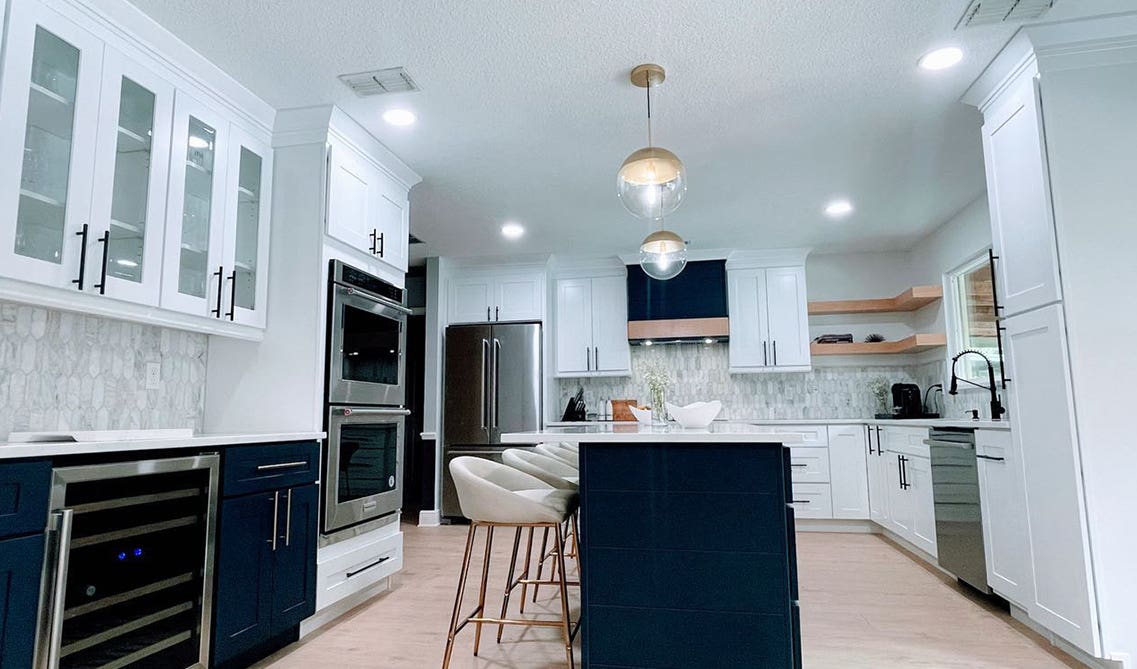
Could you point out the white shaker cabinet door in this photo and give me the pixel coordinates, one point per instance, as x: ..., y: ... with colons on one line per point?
x: 900, y: 509
x: 249, y: 192
x: 611, y: 352
x: 519, y: 297
x: 1044, y: 432
x: 878, y: 478
x: 848, y: 471
x: 1018, y: 193
x: 787, y: 317
x: 352, y: 198
x: 574, y: 327
x: 918, y: 475
x: 1006, y: 539
x: 748, y: 328
x: 470, y: 299
x: 49, y: 108
x: 392, y: 220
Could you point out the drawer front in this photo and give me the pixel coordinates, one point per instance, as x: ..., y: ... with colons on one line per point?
x: 809, y: 465
x: 812, y: 435
x: 907, y: 440
x: 357, y: 569
x: 812, y: 500
x: 24, y: 491
x: 264, y: 467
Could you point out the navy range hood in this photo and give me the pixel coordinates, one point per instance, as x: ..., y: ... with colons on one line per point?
x: 692, y: 307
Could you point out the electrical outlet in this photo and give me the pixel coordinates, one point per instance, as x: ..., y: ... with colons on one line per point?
x: 153, y: 375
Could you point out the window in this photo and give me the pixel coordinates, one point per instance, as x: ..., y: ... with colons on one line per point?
x: 971, y: 318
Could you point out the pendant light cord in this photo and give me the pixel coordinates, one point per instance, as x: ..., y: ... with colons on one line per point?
x: 648, y: 89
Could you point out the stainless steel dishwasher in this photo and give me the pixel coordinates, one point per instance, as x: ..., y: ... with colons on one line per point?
x: 955, y: 491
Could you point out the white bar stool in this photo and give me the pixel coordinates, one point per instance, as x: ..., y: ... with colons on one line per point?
x: 559, y: 452
x: 493, y: 495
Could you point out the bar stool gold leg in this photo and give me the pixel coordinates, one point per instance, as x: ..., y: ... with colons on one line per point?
x: 458, y: 598
x: 509, y: 583
x: 481, y: 610
x: 541, y: 561
x: 525, y: 570
x: 566, y: 623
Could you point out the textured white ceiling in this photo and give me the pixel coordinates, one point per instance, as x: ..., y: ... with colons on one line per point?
x: 775, y: 106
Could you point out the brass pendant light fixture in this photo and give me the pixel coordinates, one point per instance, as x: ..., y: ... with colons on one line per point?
x: 652, y: 181
x: 651, y: 184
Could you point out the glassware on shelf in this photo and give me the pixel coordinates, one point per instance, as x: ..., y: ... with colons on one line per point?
x: 194, y: 258
x: 248, y: 227
x: 131, y: 190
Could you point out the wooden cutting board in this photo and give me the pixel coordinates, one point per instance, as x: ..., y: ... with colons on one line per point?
x: 621, y: 412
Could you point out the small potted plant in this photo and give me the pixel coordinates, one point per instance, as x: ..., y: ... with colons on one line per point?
x: 880, y: 390
x: 658, y: 380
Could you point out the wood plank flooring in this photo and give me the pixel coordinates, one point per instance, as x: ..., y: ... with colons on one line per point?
x: 865, y: 604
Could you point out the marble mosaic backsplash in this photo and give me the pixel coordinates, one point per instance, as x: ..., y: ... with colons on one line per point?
x: 701, y: 373
x: 60, y: 370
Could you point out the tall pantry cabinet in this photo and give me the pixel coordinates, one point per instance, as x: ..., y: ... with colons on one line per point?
x: 1059, y: 140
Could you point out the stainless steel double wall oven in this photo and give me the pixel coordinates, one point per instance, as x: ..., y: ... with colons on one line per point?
x: 366, y: 396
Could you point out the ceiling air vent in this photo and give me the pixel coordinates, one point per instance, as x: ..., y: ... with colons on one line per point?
x: 989, y: 12
x: 380, y: 82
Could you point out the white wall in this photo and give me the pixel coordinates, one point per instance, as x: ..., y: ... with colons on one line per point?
x: 849, y: 276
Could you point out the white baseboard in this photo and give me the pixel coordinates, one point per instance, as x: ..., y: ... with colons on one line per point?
x: 1066, y: 647
x: 432, y: 518
x: 334, y: 611
x: 835, y: 525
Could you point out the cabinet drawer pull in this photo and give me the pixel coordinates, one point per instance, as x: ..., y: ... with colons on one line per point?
x: 799, y: 464
x: 275, y: 499
x: 288, y: 520
x: 801, y: 501
x: 363, y: 569
x: 220, y: 274
x: 105, y: 240
x: 991, y: 457
x: 82, y: 234
x: 282, y: 465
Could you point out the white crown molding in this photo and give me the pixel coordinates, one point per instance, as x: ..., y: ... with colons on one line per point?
x: 767, y: 258
x: 527, y: 262
x: 579, y: 267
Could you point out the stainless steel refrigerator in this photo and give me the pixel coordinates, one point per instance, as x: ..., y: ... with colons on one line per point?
x: 492, y: 384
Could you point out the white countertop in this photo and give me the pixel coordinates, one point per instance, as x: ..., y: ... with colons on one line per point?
x: 910, y: 422
x: 9, y: 451
x: 637, y: 433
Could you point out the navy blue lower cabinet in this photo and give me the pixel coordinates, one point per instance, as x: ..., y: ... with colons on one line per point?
x: 24, y: 490
x: 687, y: 557
x: 266, y: 573
x: 21, y: 563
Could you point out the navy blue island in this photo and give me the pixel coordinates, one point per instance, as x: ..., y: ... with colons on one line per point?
x: 687, y: 546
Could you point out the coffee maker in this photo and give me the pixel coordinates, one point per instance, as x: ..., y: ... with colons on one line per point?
x: 906, y: 401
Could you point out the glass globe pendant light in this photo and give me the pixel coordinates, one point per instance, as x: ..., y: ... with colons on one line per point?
x: 663, y: 254
x: 652, y: 181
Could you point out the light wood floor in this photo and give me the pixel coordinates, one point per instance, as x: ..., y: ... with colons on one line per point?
x: 865, y: 604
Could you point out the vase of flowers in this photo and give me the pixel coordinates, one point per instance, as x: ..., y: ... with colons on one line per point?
x: 658, y: 380
x: 880, y: 390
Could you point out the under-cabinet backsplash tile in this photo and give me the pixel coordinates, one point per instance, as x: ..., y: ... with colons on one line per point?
x: 61, y: 370
x: 701, y: 372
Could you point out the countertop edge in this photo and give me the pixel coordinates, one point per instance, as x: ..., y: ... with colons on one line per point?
x: 13, y: 451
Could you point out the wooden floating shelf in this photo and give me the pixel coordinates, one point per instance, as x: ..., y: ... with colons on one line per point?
x: 914, y: 344
x: 910, y: 300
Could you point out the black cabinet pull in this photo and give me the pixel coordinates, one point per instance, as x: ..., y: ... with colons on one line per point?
x: 487, y: 313
x: 801, y: 501
x: 998, y: 330
x: 220, y: 274
x: 374, y: 233
x: 765, y: 357
x: 879, y: 448
x: 82, y: 234
x: 232, y: 294
x: 904, y: 473
x: 775, y: 352
x: 991, y: 458
x: 105, y: 240
x: 869, y: 434
x: 363, y: 569
x: 381, y: 244
x: 497, y: 313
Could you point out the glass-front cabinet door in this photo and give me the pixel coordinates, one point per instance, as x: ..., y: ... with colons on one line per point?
x: 48, y: 115
x: 132, y: 165
x: 193, y: 272
x: 247, y: 228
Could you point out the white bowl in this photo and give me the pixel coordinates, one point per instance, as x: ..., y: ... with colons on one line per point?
x: 642, y: 415
x: 695, y: 416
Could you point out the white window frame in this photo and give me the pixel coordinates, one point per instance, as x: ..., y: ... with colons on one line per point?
x: 955, y: 318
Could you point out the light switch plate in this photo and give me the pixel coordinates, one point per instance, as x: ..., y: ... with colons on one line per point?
x: 153, y: 375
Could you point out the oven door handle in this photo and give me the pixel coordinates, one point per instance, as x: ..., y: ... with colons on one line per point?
x: 348, y: 290
x: 354, y: 411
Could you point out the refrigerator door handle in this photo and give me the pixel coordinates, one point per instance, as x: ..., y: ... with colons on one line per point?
x: 485, y: 351
x: 496, y: 366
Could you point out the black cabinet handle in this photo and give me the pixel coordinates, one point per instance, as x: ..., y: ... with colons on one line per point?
x: 105, y: 240
x: 232, y: 294
x: 799, y: 464
x: 801, y: 501
x: 998, y: 330
x: 220, y: 274
x: 82, y: 234
x: 497, y: 313
x: 879, y: 447
x: 775, y: 352
x: 374, y: 233
x: 765, y: 358
x: 904, y: 473
x: 487, y: 313
x: 381, y: 244
x: 363, y: 569
x: 991, y: 458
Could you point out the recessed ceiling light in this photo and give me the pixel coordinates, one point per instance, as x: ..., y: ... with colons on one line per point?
x: 839, y: 208
x: 941, y: 59
x: 512, y: 230
x: 399, y: 116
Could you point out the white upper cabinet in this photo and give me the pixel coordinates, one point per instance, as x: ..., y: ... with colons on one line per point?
x: 194, y: 273
x: 1045, y: 434
x: 367, y: 209
x: 49, y: 107
x: 245, y: 258
x: 1006, y: 538
x: 482, y: 297
x: 592, y: 327
x: 128, y: 210
x: 848, y: 466
x: 769, y: 327
x: 1018, y: 193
